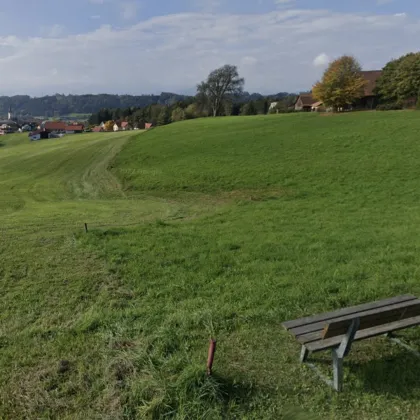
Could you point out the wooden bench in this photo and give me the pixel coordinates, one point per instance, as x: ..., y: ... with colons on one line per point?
x: 339, y: 329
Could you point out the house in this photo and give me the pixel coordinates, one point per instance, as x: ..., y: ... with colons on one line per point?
x: 102, y: 125
x: 9, y: 126
x: 38, y: 135
x: 74, y: 128
x: 304, y: 102
x: 125, y: 125
x: 148, y: 126
x: 370, y: 99
x: 54, y: 126
x: 272, y: 105
x: 97, y: 129
x: 117, y: 126
x: 26, y: 127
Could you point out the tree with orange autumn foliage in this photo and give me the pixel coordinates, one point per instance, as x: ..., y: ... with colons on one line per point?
x: 341, y: 84
x: 109, y: 126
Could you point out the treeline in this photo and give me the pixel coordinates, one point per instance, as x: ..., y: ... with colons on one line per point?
x: 56, y: 105
x: 195, y: 107
x: 399, y: 85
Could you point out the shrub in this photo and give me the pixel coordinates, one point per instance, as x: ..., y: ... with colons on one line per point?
x: 389, y: 107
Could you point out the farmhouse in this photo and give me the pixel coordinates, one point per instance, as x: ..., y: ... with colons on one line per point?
x: 98, y: 129
x: 304, y: 102
x: 74, y: 128
x: 54, y: 126
x: 369, y: 100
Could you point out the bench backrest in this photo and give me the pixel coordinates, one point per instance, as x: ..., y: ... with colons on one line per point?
x: 373, y: 318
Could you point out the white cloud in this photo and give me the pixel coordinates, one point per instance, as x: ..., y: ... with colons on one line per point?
x: 321, y: 60
x: 95, y: 17
x: 274, y: 51
x: 283, y: 1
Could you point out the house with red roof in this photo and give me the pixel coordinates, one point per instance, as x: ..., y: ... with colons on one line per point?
x: 74, y: 128
x: 54, y: 126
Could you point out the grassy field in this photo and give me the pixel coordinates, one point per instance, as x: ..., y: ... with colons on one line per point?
x: 217, y: 228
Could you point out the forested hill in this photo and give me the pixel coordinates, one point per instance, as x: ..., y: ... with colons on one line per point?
x: 49, y: 106
x: 56, y: 105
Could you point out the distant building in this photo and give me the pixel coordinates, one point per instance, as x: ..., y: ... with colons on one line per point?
x: 117, y: 126
x: 74, y: 128
x: 54, y: 126
x: 148, y: 126
x: 369, y: 100
x: 125, y: 126
x: 38, y: 135
x: 304, y: 102
x: 98, y: 129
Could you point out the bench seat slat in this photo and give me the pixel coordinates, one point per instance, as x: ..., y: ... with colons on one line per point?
x: 369, y: 322
x: 364, y: 334
x: 389, y: 311
x: 346, y: 311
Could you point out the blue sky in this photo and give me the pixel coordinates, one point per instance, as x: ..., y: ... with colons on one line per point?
x: 146, y: 46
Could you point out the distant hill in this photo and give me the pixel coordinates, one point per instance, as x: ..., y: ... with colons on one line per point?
x: 55, y: 105
x: 59, y: 105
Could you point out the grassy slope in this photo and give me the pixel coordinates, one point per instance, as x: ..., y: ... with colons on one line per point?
x: 258, y: 220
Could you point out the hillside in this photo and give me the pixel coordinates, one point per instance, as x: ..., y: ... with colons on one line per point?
x: 217, y: 228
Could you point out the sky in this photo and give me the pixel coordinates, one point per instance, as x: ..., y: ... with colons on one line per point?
x: 150, y: 46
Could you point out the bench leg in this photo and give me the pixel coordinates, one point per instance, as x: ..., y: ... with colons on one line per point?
x: 400, y: 343
x: 304, y: 353
x: 338, y: 371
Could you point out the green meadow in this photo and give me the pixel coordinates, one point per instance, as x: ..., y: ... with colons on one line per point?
x: 211, y: 228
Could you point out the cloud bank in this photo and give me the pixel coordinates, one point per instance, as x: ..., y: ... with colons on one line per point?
x: 275, y: 51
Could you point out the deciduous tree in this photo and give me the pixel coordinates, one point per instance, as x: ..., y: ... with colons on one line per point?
x: 400, y: 79
x: 109, y: 125
x: 342, y: 83
x: 178, y: 114
x: 220, y: 85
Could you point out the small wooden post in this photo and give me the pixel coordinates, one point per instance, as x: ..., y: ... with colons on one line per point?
x: 210, y: 358
x: 86, y: 228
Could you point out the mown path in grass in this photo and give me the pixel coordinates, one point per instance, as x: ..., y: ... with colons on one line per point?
x: 237, y: 225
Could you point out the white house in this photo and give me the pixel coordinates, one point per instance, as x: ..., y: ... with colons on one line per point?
x: 273, y: 105
x: 116, y: 127
x: 36, y: 135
